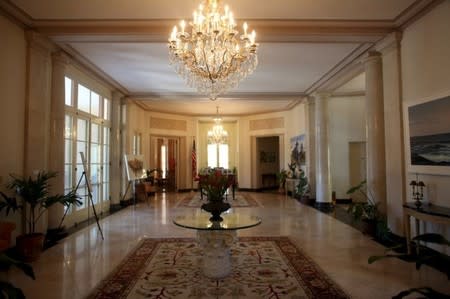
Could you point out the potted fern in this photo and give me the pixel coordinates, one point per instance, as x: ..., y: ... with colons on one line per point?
x: 35, y: 200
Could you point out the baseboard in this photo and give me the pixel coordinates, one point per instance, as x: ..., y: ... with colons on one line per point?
x: 343, y: 200
x: 326, y: 207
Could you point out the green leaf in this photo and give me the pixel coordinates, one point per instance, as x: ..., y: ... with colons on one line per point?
x: 10, y: 291
x: 6, y: 262
x: 432, y: 238
x: 425, y: 291
x: 356, y: 188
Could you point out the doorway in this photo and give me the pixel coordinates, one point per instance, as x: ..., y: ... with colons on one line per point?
x: 357, y: 167
x: 267, y: 162
x: 164, y: 153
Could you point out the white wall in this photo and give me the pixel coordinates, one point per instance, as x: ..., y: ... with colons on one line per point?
x: 12, y: 112
x: 347, y: 123
x: 425, y: 50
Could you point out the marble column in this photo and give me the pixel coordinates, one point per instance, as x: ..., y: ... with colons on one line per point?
x: 376, y: 162
x: 311, y: 146
x: 322, y: 154
x: 57, y: 127
x: 116, y: 151
x: 37, y: 110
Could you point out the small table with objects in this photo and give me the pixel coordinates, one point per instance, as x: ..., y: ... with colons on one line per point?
x: 215, y: 238
x: 427, y: 213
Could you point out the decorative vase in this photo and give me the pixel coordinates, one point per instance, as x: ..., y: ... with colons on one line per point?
x: 215, y: 207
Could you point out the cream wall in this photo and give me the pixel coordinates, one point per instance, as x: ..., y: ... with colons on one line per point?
x: 425, y: 50
x: 347, y: 123
x: 12, y: 112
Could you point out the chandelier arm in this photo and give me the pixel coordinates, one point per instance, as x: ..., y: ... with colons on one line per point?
x: 223, y: 62
x: 207, y: 66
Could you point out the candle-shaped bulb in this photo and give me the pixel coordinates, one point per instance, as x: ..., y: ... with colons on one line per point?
x: 245, y: 28
x: 227, y: 10
x: 237, y: 48
x: 253, y: 37
x: 174, y: 33
x: 194, y: 17
x: 182, y: 25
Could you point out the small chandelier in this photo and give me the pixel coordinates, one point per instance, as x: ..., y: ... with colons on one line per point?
x: 212, y: 56
x: 217, y: 135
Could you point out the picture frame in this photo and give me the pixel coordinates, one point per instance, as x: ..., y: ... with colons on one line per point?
x: 135, y: 167
x: 427, y: 134
x: 297, y: 150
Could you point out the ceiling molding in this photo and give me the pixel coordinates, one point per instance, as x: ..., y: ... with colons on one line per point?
x: 414, y: 12
x: 325, y: 83
x: 248, y: 96
x: 347, y: 31
x: 17, y: 15
x: 91, y: 67
x: 358, y: 93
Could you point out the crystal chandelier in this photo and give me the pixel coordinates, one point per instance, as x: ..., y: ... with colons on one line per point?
x: 211, y: 55
x: 217, y: 135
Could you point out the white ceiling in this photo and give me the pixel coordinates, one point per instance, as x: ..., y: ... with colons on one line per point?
x: 303, y: 44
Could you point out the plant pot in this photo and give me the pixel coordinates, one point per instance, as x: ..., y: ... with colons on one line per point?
x: 6, y: 229
x: 29, y: 246
x: 306, y: 200
x: 216, y: 207
x: 369, y: 227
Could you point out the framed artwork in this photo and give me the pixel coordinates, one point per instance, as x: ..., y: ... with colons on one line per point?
x: 428, y: 135
x: 135, y: 167
x: 298, y: 154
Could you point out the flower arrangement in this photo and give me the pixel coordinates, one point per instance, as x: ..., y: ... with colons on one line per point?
x: 214, y: 183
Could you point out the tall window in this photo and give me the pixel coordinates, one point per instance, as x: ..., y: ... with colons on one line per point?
x: 218, y: 155
x: 87, y: 130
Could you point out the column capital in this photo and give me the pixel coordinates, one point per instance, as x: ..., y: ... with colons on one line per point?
x: 38, y: 42
x: 391, y: 41
x: 117, y: 95
x: 372, y: 56
x: 322, y: 95
x: 61, y: 57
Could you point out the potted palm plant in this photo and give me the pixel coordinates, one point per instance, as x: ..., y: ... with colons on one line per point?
x: 367, y: 212
x: 35, y: 200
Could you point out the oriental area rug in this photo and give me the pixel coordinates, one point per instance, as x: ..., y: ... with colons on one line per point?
x: 240, y: 200
x: 263, y: 267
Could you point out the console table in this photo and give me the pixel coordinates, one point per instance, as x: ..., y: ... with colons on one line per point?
x: 427, y: 212
x: 216, y: 238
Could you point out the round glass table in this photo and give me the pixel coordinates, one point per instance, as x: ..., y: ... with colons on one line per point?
x: 215, y: 238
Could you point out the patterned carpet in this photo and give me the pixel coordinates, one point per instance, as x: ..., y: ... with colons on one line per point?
x: 263, y: 267
x: 241, y: 200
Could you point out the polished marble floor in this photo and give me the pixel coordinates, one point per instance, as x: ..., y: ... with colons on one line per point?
x: 72, y: 268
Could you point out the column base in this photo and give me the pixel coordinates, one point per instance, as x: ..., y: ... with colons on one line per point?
x: 326, y: 207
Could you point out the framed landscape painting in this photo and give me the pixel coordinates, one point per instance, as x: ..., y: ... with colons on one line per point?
x: 428, y: 131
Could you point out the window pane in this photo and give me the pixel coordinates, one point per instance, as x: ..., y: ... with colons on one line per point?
x: 95, y: 153
x: 83, y: 98
x: 68, y: 91
x: 68, y: 151
x: 105, y: 154
x: 68, y: 176
x: 82, y: 192
x: 81, y: 147
x: 212, y: 155
x: 82, y: 129
x: 95, y: 137
x: 163, y: 161
x: 68, y: 131
x: 95, y: 173
x: 95, y: 196
x: 223, y: 155
x: 106, y: 109
x: 106, y: 135
x: 95, y: 104
x: 106, y: 191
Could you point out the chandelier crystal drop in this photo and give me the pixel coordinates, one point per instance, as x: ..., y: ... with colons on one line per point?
x: 209, y: 53
x: 218, y: 135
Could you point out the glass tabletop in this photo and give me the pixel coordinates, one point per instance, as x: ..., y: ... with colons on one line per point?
x: 199, y: 219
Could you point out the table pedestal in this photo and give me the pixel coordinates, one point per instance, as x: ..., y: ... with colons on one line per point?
x: 216, y: 246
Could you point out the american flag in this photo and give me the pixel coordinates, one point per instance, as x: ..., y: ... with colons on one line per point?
x: 194, y: 161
